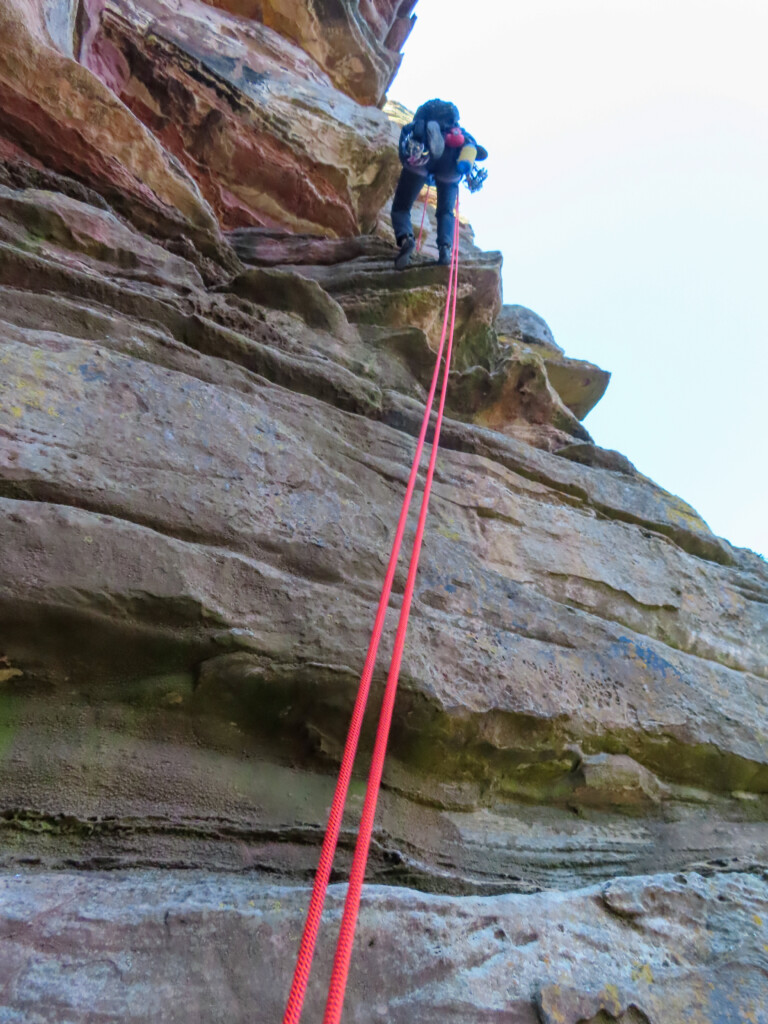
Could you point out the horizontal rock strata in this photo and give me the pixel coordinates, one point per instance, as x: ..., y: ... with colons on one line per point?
x: 56, y: 115
x: 199, y: 487
x: 133, y: 947
x: 255, y: 121
x: 211, y: 382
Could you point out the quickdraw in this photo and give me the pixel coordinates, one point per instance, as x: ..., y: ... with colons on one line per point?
x: 412, y: 152
x: 476, y: 178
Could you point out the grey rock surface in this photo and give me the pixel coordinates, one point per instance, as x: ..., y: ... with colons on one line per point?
x: 199, y: 490
x: 522, y: 324
x: 201, y: 466
x: 197, y: 949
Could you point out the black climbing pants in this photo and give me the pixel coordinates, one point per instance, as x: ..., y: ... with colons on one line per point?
x: 408, y: 188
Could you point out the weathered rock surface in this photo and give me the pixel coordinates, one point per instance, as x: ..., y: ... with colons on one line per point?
x: 253, y: 119
x: 517, y: 323
x: 499, y: 384
x: 55, y: 114
x: 579, y: 384
x: 204, y: 442
x: 184, y: 947
x: 357, y: 43
x: 198, y: 492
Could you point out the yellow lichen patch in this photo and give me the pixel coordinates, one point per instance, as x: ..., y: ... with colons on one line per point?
x: 556, y: 1015
x: 757, y: 919
x: 642, y: 972
x: 485, y: 644
x: 7, y: 671
x: 611, y: 999
x: 449, y: 534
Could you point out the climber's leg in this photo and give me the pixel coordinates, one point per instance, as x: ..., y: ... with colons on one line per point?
x: 408, y: 188
x: 447, y: 192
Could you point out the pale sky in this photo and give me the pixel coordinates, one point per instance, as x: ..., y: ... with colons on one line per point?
x: 627, y: 185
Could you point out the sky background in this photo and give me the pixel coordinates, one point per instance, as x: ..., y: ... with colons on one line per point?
x: 628, y: 192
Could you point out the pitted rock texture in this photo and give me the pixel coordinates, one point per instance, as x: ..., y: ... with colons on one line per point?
x: 498, y: 383
x: 579, y: 384
x: 196, y: 948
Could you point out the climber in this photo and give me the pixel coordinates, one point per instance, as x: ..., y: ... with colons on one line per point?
x: 433, y: 147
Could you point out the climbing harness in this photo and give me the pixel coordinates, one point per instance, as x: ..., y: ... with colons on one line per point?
x: 423, y: 214
x: 338, y: 982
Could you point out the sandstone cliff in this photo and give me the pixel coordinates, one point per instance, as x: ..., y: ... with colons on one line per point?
x: 211, y: 382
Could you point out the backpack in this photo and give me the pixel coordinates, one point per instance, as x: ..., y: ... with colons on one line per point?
x: 414, y: 147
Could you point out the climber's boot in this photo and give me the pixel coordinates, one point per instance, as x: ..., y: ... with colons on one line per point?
x: 444, y: 259
x: 407, y: 244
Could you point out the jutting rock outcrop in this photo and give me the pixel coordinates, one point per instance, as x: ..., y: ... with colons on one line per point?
x: 211, y: 384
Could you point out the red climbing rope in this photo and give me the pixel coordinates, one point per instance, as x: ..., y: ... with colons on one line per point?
x: 423, y: 214
x: 340, y: 970
x: 317, y: 900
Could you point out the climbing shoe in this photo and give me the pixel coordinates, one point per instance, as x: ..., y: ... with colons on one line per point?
x: 403, y: 258
x: 435, y: 140
x: 444, y: 259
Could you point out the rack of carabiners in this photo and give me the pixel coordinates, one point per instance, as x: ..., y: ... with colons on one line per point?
x: 340, y: 971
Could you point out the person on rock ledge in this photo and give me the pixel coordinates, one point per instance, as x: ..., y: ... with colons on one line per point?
x: 433, y: 146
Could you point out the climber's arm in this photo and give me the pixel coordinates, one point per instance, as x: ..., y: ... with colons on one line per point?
x: 467, y: 156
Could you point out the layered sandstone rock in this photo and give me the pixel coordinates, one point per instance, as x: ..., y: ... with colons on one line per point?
x: 357, y: 42
x: 661, y: 949
x: 579, y: 384
x: 253, y: 119
x: 199, y: 488
x: 256, y: 123
x: 204, y: 442
x: 56, y: 115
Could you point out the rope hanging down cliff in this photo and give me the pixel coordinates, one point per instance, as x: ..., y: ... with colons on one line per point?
x: 340, y: 970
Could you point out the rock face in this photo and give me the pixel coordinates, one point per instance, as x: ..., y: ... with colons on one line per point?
x: 667, y: 948
x: 579, y: 385
x: 255, y: 121
x: 258, y: 125
x: 55, y: 114
x: 357, y: 43
x: 205, y: 438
